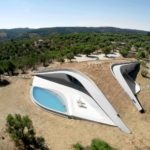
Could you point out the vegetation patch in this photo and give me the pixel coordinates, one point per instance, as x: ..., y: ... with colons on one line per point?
x: 96, y: 144
x: 22, y: 132
x: 4, y: 82
x: 29, y: 52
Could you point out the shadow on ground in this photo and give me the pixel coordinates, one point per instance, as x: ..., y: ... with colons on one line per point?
x: 4, y: 83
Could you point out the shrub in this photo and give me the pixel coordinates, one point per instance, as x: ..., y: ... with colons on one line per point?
x: 95, y: 145
x: 78, y: 146
x: 60, y: 59
x: 100, y: 145
x: 22, y: 133
x: 70, y: 56
x: 140, y: 54
x: 124, y: 52
x: 106, y: 50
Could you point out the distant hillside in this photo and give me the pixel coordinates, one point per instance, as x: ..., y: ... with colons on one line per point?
x: 7, y: 34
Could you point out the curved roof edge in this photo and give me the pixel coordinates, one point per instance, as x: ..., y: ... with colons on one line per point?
x: 120, y: 72
x: 95, y: 92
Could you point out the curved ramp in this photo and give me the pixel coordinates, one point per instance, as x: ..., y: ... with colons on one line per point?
x: 121, y: 72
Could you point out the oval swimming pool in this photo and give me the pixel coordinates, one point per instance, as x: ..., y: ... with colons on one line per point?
x: 49, y: 99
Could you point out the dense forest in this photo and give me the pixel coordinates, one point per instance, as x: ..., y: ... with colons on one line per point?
x: 21, y: 54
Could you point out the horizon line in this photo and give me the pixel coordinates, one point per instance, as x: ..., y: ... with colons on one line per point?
x: 74, y: 27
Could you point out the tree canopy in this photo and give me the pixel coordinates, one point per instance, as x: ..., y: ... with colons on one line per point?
x: 21, y: 131
x: 29, y: 52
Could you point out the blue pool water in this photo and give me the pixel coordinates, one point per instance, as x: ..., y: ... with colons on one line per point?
x: 49, y: 99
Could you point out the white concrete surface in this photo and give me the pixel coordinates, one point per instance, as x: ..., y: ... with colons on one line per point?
x: 77, y: 103
x: 97, y: 97
x: 118, y: 71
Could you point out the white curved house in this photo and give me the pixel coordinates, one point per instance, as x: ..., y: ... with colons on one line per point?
x: 71, y: 93
x: 122, y: 73
x: 80, y: 96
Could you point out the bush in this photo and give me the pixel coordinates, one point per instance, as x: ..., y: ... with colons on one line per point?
x: 95, y: 145
x: 60, y: 59
x: 22, y: 133
x: 100, y: 145
x: 106, y: 50
x: 78, y: 146
x: 124, y: 52
x: 4, y: 82
x: 140, y: 54
x: 70, y: 56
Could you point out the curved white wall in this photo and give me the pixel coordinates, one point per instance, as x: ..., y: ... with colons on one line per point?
x: 90, y: 111
x: 124, y: 68
x: 96, y: 94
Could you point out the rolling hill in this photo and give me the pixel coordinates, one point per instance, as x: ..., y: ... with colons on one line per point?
x: 7, y: 34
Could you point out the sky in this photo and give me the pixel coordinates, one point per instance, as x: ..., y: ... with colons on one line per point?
x: 133, y: 14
